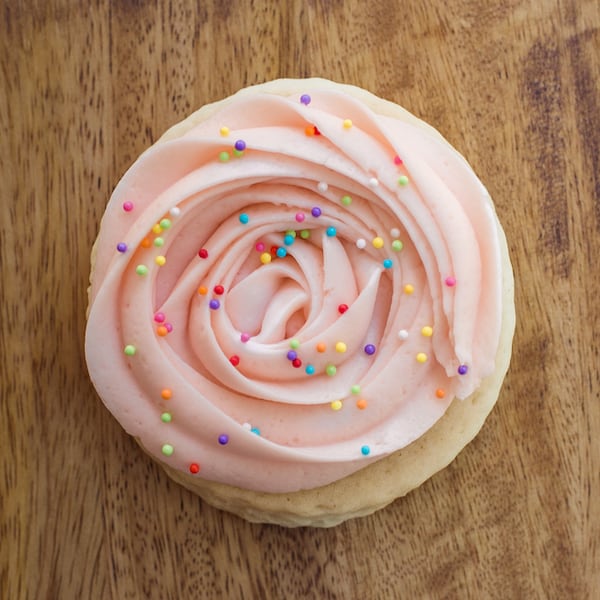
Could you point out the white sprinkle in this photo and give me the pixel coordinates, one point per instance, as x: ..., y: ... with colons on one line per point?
x: 403, y: 334
x: 360, y: 243
x: 175, y: 211
x: 247, y: 426
x: 373, y: 182
x: 322, y: 186
x: 395, y: 232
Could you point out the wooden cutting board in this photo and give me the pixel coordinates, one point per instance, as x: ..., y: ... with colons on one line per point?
x: 85, y: 87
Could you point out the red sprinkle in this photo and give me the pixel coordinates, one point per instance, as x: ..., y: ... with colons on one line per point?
x: 317, y: 132
x: 194, y: 468
x: 218, y: 289
x: 203, y: 253
x: 397, y: 160
x: 234, y: 360
x: 342, y: 308
x: 297, y: 363
x: 274, y: 250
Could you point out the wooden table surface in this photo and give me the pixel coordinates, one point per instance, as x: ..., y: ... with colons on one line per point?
x: 86, y: 86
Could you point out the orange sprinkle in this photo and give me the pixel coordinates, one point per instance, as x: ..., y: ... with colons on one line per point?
x: 166, y: 394
x: 440, y: 393
x: 202, y: 290
x: 321, y: 347
x: 309, y: 130
x: 362, y: 404
x: 162, y: 330
x: 146, y: 243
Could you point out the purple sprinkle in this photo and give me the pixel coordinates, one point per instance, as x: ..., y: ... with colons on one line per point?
x: 370, y: 349
x: 292, y: 355
x: 223, y: 439
x: 316, y: 211
x: 240, y: 145
x: 214, y: 304
x: 305, y: 99
x: 462, y: 370
x: 122, y: 247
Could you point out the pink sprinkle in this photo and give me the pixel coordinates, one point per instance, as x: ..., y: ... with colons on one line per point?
x: 169, y: 327
x: 159, y: 317
x: 245, y: 337
x: 397, y: 160
x: 259, y: 246
x: 450, y: 281
x: 299, y: 217
x: 128, y: 206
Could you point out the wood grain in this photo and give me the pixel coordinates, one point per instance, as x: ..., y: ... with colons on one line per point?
x: 86, y: 86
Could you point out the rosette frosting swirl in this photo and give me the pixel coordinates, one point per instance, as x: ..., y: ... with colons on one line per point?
x: 288, y: 288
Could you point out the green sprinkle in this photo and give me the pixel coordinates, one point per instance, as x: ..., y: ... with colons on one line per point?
x: 291, y: 232
x: 141, y: 270
x: 129, y: 350
x: 330, y: 370
x: 346, y: 200
x: 224, y: 156
x: 397, y: 245
x: 403, y: 180
x: 165, y: 223
x: 237, y: 153
x: 355, y: 389
x: 295, y: 344
x: 165, y: 417
x: 158, y: 242
x: 167, y: 449
x: 305, y: 234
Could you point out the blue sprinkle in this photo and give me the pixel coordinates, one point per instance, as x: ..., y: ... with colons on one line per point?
x: 310, y: 370
x: 288, y: 240
x: 365, y: 450
x: 331, y: 231
x: 281, y: 252
x: 255, y: 430
x: 244, y: 218
x: 387, y: 263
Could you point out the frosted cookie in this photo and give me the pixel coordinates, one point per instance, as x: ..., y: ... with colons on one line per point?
x: 301, y: 303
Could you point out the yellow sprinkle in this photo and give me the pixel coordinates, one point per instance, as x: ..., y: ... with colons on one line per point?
x: 160, y: 260
x: 421, y: 357
x: 409, y: 288
x: 378, y: 242
x: 347, y: 123
x: 156, y: 228
x: 224, y: 131
x: 336, y: 405
x: 265, y: 258
x: 341, y: 347
x: 427, y: 331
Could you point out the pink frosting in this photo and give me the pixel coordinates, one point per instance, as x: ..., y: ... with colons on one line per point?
x: 265, y: 423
